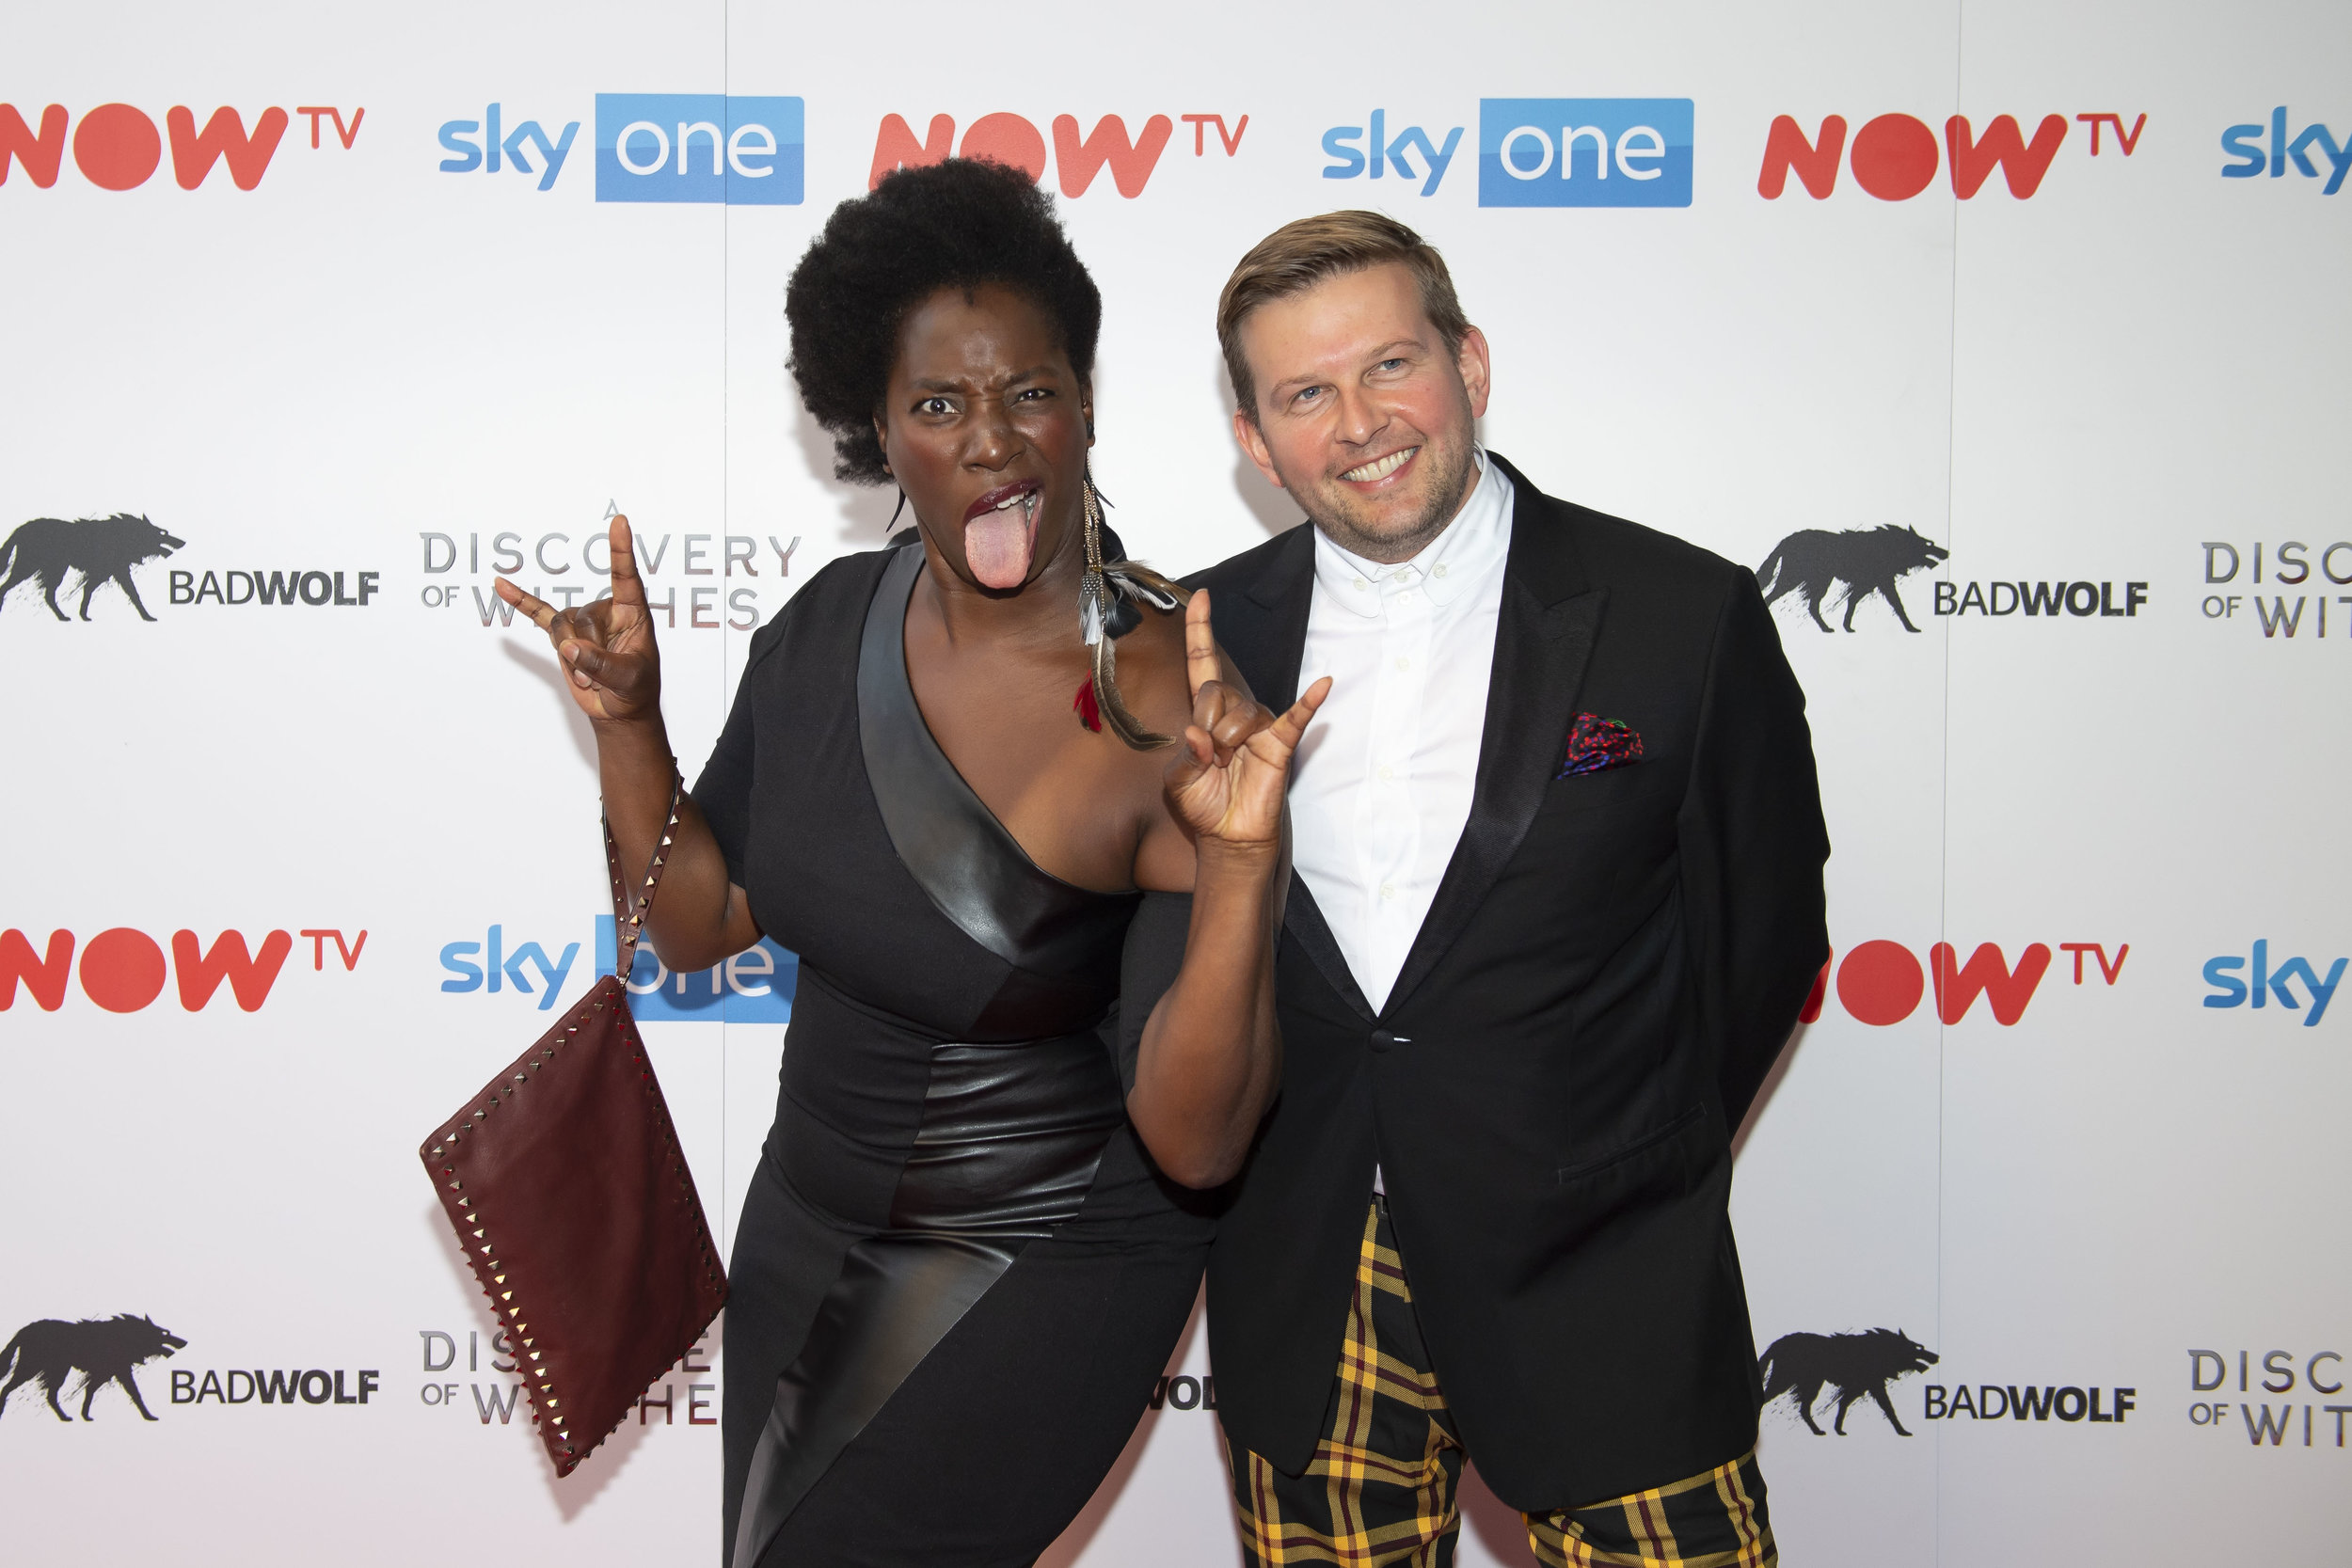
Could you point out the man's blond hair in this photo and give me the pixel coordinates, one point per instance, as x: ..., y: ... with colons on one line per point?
x: 1299, y: 255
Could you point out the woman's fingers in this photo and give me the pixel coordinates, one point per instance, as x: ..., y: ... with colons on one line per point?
x: 1193, y: 759
x: 541, y: 613
x: 1226, y: 716
x: 1209, y: 701
x: 627, y: 587
x: 1237, y: 723
x: 1201, y: 664
x: 585, y: 658
x: 1287, y: 731
x: 605, y: 646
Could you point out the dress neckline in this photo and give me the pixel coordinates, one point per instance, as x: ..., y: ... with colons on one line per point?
x: 950, y: 841
x: 906, y: 678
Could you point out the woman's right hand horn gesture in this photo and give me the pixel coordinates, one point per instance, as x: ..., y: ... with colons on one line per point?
x: 606, y: 646
x: 1229, y: 776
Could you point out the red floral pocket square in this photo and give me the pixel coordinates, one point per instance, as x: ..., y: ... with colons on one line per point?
x: 1595, y: 743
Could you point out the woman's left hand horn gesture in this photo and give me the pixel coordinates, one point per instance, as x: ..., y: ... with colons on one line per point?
x: 1226, y: 783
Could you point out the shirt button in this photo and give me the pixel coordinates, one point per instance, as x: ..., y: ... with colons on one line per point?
x: 1405, y: 596
x: 1439, y: 572
x: 1403, y: 663
x: 1359, y: 583
x: 1387, y: 891
x: 1387, y: 773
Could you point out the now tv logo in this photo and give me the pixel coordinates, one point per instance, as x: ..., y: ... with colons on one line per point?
x: 1895, y: 156
x: 1078, y: 159
x: 1881, y: 983
x: 118, y: 148
x: 123, y: 970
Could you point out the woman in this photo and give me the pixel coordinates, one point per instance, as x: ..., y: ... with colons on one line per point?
x: 973, y: 1237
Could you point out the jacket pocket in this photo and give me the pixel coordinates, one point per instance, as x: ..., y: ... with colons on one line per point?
x: 1622, y: 1152
x: 1608, y: 788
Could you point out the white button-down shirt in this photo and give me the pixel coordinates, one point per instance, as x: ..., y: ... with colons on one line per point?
x: 1382, y: 784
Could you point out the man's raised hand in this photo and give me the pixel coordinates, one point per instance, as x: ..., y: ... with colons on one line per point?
x: 606, y: 646
x: 1228, y: 780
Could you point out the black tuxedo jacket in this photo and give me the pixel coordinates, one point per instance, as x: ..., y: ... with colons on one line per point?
x: 1611, y: 965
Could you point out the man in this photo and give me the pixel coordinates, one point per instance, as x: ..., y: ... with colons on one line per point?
x: 1558, y: 902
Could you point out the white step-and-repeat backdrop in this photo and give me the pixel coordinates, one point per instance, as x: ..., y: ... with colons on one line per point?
x: 2004, y: 339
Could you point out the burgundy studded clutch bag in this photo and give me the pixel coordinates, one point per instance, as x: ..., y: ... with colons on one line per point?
x: 573, y: 1204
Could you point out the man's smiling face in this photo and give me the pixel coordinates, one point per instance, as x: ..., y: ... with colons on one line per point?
x: 1364, y: 413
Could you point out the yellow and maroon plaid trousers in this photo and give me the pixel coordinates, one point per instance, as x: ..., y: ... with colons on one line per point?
x: 1380, y: 1490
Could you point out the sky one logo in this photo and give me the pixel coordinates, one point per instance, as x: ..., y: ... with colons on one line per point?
x: 479, y: 145
x: 1584, y: 151
x: 2245, y: 143
x: 491, y: 964
x: 756, y: 985
x: 1369, y: 151
x: 2266, y: 982
x: 699, y: 147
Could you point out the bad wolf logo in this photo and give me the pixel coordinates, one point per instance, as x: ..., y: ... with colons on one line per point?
x: 102, y: 1350
x: 1812, y: 561
x: 1853, y: 1364
x: 102, y: 549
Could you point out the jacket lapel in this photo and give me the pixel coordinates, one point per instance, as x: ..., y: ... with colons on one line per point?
x: 1544, y: 637
x: 1263, y: 630
x: 1302, y: 918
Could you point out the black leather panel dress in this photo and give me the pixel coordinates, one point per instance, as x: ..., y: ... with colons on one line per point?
x: 957, y: 1275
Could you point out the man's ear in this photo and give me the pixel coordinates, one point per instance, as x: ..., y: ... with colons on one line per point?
x: 1476, y: 370
x: 1253, y: 445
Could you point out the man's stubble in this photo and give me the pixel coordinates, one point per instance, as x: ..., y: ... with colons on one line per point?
x: 1450, y: 482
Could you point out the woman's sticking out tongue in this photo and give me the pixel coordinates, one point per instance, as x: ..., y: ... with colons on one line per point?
x: 997, y: 543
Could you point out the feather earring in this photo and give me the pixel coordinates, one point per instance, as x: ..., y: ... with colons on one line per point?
x: 1104, y: 617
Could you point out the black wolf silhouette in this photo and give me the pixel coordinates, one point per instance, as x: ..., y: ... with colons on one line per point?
x: 1853, y: 1364
x: 103, y: 550
x: 1811, y: 562
x: 102, y: 1350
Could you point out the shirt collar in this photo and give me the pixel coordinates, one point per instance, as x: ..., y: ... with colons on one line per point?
x: 1454, y: 562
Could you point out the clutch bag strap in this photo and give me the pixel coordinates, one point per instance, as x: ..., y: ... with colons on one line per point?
x: 629, y: 913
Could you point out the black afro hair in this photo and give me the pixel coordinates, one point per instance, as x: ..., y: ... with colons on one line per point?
x: 955, y: 224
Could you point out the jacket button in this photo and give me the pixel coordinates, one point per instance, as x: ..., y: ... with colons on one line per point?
x: 1382, y: 1039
